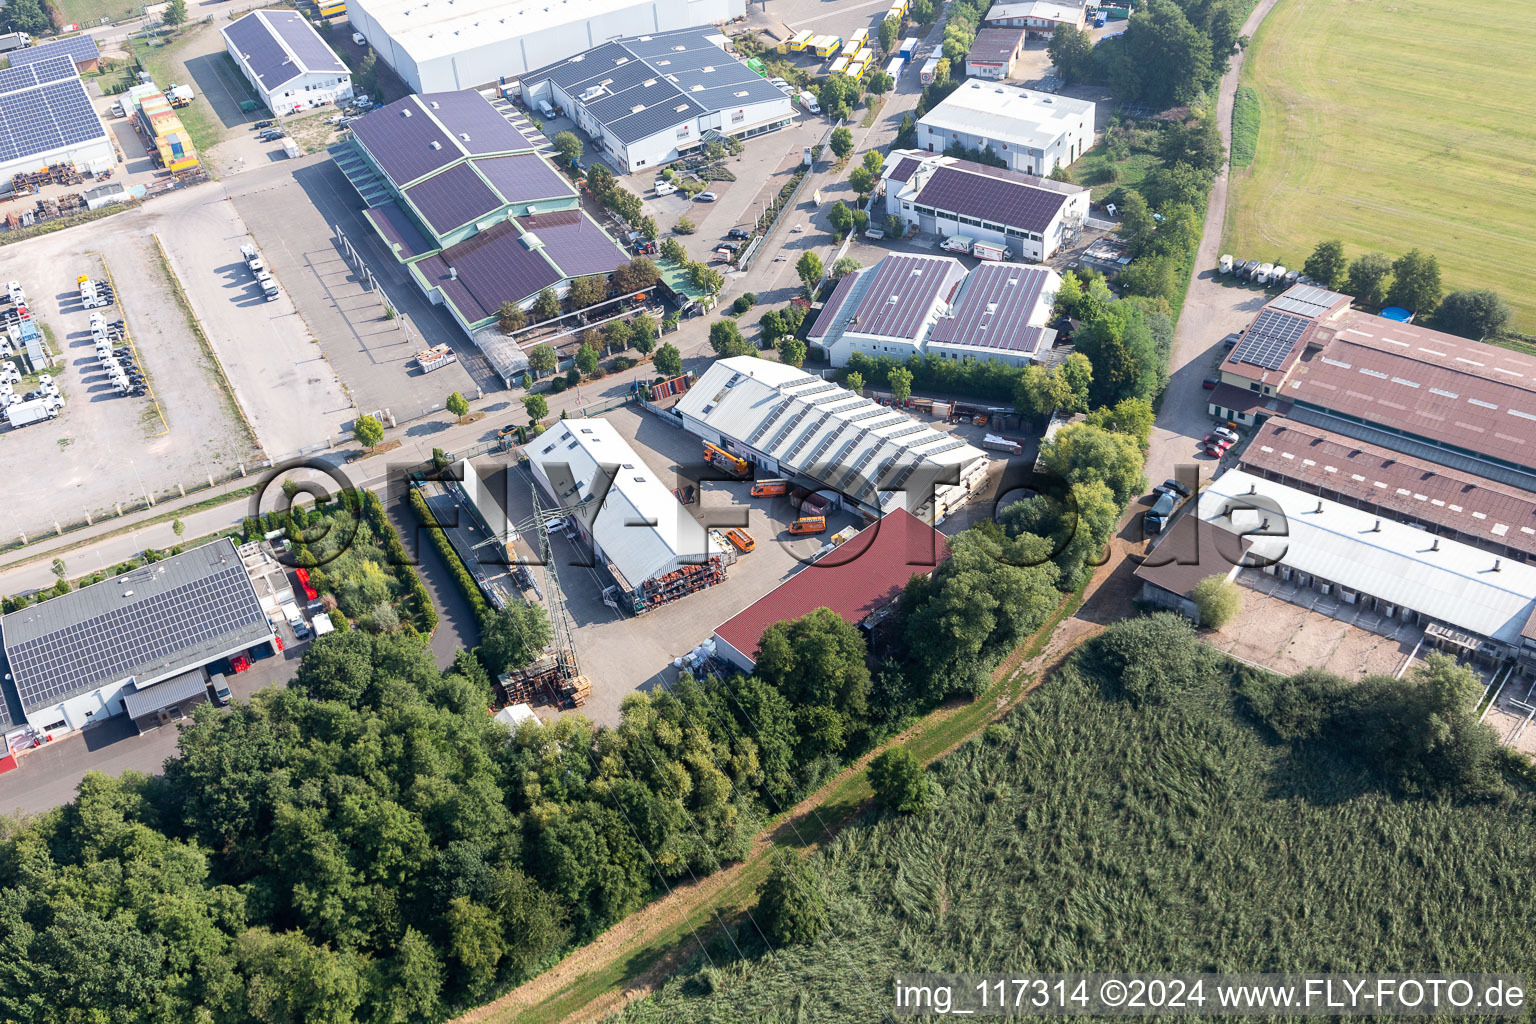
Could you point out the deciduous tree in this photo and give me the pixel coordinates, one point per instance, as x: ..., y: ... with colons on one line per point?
x: 1416, y: 282
x: 1327, y: 265
x: 1474, y: 314
x: 790, y: 908
x: 1368, y: 280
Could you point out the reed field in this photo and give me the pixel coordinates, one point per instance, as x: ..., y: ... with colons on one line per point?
x: 1085, y: 832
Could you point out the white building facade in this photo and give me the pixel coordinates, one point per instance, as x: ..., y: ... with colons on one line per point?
x: 1033, y: 132
x: 1033, y: 216
x: 1040, y: 17
x: 443, y: 45
x: 286, y: 62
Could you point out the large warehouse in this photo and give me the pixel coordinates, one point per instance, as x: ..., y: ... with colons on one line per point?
x: 650, y: 545
x: 74, y: 659
x: 1334, y: 556
x: 1035, y: 217
x: 46, y: 118
x: 1435, y: 396
x: 914, y: 305
x: 792, y: 424
x: 287, y: 63
x: 647, y: 100
x: 1035, y: 132
x: 477, y: 216
x: 1040, y: 17
x: 441, y: 45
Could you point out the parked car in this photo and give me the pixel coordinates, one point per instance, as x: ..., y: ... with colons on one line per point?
x: 273, y: 134
x: 1182, y: 490
x: 1232, y: 339
x: 1231, y: 435
x: 1210, y: 383
x: 507, y: 431
x: 259, y: 125
x: 1214, y: 450
x: 1216, y: 440
x: 741, y: 233
x: 705, y: 197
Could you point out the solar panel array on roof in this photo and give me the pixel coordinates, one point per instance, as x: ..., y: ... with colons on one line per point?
x: 994, y: 309
x: 194, y: 605
x: 279, y: 46
x: 986, y: 197
x: 453, y: 198
x: 399, y: 230
x: 468, y: 113
x: 305, y: 42
x: 523, y: 178
x: 493, y: 266
x: 400, y: 137
x: 79, y: 49
x: 902, y: 295
x: 575, y: 242
x: 43, y: 107
x: 904, y: 169
x: 1270, y: 340
x: 1308, y: 300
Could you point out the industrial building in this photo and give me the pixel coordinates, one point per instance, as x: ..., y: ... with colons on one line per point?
x: 291, y: 68
x: 477, y: 216
x: 1438, y: 499
x: 76, y: 659
x: 1034, y: 132
x: 866, y: 456
x: 443, y: 45
x: 1434, y: 396
x: 859, y: 580
x: 914, y: 305
x: 81, y: 49
x: 1034, y: 216
x: 1334, y: 557
x: 1039, y: 17
x: 1180, y: 558
x: 995, y: 52
x: 649, y: 99
x: 46, y: 118
x: 649, y: 545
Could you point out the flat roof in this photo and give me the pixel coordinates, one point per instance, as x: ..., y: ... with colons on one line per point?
x: 639, y: 524
x: 856, y: 579
x: 1399, y: 484
x: 1360, y: 550
x: 1047, y: 10
x: 171, y: 615
x: 995, y: 44
x: 43, y: 108
x: 1001, y: 306
x: 1007, y: 113
x: 279, y: 46
x: 428, y: 29
x: 642, y: 85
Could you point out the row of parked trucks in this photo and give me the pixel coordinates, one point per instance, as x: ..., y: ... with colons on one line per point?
x: 258, y: 267
x: 34, y: 406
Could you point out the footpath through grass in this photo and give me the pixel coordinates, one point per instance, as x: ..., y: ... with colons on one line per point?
x: 1395, y: 125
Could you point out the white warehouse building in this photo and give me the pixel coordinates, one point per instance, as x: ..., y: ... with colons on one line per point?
x: 639, y: 532
x: 1035, y: 132
x: 871, y: 457
x: 646, y: 100
x: 46, y: 117
x: 444, y: 45
x: 287, y: 63
x: 1035, y: 217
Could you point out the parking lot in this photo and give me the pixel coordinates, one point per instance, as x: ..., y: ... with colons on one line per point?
x: 621, y: 654
x: 103, y: 448
x: 280, y: 376
x: 291, y: 209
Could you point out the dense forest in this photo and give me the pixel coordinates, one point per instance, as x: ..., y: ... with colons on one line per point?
x: 1157, y: 807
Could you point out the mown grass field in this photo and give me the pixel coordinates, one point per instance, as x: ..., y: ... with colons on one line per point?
x: 90, y: 12
x: 1392, y: 124
x: 1085, y: 833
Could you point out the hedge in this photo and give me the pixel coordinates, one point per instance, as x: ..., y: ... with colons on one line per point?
x: 451, y: 557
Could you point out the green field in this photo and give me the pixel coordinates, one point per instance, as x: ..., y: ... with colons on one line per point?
x: 90, y: 12
x: 1392, y: 124
x: 1086, y: 833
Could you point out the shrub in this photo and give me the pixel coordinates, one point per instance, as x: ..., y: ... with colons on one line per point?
x: 1218, y: 600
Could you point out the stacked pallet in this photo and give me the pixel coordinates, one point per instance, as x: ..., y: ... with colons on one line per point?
x: 680, y: 582
x: 574, y: 692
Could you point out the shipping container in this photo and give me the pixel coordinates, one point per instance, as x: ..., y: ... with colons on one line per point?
x: 929, y: 70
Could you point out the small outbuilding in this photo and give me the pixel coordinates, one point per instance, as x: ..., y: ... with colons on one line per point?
x: 166, y: 701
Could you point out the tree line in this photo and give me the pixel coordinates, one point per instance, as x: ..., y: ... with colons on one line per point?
x: 1412, y: 282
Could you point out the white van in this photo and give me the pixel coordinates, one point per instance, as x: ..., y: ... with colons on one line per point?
x: 664, y: 187
x: 808, y: 101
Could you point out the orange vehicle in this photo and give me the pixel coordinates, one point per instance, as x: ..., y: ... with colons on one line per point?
x: 770, y: 488
x: 733, y: 464
x: 741, y: 540
x: 809, y: 524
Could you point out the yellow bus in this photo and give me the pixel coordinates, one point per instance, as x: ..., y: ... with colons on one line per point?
x: 828, y: 45
x: 801, y: 39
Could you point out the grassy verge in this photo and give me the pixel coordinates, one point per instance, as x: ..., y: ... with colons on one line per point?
x: 1245, y: 127
x: 214, y: 367
x: 91, y: 12
x: 60, y: 223
x: 875, y: 105
x: 165, y: 67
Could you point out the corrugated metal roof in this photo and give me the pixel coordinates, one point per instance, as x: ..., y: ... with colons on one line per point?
x: 857, y: 579
x: 1312, y: 457
x: 902, y: 295
x: 995, y: 44
x: 639, y: 524
x: 163, y: 694
x: 1363, y: 551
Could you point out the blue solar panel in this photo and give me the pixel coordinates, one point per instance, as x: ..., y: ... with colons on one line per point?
x: 524, y: 178
x: 469, y: 113
x: 58, y: 68
x: 575, y: 242
x: 12, y: 79
x: 404, y: 145
x: 453, y: 198
x: 261, y: 51
x: 304, y: 41
x: 78, y: 49
x: 43, y: 107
